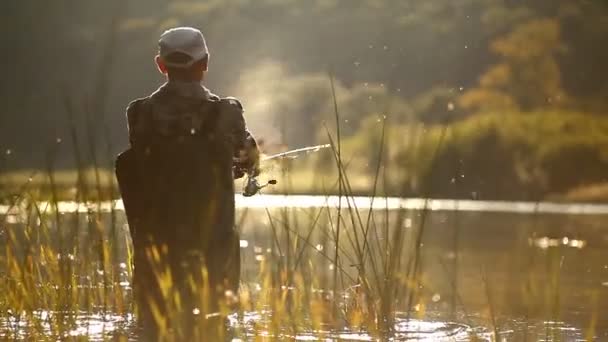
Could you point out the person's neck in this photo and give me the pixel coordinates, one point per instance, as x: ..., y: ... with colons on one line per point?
x: 183, y: 80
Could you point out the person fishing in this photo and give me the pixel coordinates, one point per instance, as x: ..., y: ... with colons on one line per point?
x: 187, y: 146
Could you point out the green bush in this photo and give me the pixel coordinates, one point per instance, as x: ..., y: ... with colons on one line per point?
x: 518, y: 156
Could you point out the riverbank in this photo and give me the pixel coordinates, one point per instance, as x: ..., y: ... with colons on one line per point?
x: 70, y: 185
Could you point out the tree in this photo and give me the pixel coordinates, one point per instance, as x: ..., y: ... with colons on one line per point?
x: 527, y: 77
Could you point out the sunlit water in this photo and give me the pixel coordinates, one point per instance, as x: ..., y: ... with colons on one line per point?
x: 391, y: 203
x: 101, y: 327
x: 464, y: 237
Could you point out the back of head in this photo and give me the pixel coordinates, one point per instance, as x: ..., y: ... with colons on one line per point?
x: 183, y: 54
x: 194, y: 72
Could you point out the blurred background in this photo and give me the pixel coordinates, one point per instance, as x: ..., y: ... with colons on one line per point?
x: 470, y: 99
x: 478, y: 99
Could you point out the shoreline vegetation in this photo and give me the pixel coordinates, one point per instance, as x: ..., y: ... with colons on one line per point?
x: 66, y: 189
x: 540, y: 156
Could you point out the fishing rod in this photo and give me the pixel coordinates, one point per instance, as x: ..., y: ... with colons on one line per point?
x: 290, y: 154
x: 253, y: 186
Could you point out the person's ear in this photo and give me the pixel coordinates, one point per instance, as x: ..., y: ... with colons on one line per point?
x: 162, y: 68
x: 206, y: 63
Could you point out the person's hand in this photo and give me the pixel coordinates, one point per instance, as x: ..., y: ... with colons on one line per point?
x: 238, y: 170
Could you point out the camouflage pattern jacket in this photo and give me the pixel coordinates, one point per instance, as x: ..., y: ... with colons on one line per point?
x: 175, y: 97
x: 196, y: 200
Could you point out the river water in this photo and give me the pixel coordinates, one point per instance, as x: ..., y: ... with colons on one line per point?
x: 525, y: 271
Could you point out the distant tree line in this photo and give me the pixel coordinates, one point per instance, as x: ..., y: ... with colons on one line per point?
x: 431, y: 63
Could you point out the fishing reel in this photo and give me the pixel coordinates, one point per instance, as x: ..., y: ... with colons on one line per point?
x: 253, y: 186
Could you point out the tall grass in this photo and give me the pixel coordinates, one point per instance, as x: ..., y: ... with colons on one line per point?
x: 63, y: 267
x: 332, y: 270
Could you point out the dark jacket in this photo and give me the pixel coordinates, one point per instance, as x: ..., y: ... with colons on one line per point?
x: 187, y: 145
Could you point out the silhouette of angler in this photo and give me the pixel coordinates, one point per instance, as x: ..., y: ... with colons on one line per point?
x: 186, y: 147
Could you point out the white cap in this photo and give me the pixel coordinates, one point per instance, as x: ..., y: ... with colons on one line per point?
x: 186, y: 40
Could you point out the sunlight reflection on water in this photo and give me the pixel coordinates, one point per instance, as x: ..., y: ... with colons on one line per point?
x: 95, y: 327
x: 100, y: 327
x: 412, y: 329
x: 391, y: 203
x: 547, y: 242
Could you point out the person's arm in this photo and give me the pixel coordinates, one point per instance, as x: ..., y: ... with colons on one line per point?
x: 134, y: 121
x: 247, y: 153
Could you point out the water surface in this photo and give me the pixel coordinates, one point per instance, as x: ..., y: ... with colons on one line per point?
x: 533, y: 271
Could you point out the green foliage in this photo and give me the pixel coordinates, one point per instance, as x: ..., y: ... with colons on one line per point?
x: 368, y: 102
x: 499, y: 17
x: 506, y: 155
x: 432, y: 62
x: 500, y: 155
x: 437, y: 105
x: 528, y: 75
